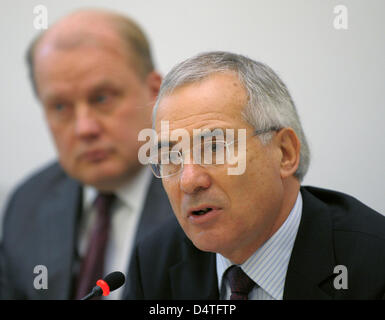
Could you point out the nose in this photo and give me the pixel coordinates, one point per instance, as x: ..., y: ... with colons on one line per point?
x: 87, y: 125
x: 194, y: 178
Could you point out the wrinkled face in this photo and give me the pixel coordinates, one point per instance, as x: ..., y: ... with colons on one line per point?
x: 243, y: 209
x: 95, y: 104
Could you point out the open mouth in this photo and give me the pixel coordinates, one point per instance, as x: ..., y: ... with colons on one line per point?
x: 204, y: 216
x: 201, y: 212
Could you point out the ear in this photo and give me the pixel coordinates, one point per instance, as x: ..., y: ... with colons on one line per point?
x: 154, y: 80
x: 290, y: 147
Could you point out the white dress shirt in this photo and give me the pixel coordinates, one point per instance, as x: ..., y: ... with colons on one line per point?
x: 125, y: 215
x: 268, y: 265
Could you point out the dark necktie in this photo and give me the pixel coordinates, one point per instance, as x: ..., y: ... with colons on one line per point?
x: 92, y: 265
x: 240, y: 283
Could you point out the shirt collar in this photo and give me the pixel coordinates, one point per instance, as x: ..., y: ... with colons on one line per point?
x: 268, y: 265
x: 132, y: 193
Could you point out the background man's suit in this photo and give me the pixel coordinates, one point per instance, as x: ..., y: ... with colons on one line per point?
x: 40, y: 229
x: 335, y: 229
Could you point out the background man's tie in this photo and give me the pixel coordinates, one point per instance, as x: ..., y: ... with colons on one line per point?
x: 92, y: 265
x: 240, y: 283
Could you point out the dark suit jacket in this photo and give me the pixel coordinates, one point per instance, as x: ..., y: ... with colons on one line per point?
x: 335, y: 229
x: 40, y: 228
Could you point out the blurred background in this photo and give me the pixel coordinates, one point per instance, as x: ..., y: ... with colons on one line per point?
x: 335, y: 76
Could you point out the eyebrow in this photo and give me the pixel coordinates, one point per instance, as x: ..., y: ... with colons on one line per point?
x: 212, y: 132
x: 53, y: 96
x: 103, y: 84
x: 207, y: 132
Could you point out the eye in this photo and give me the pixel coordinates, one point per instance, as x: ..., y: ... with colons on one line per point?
x: 100, y: 98
x: 211, y: 146
x: 175, y: 157
x: 170, y: 157
x: 59, y: 107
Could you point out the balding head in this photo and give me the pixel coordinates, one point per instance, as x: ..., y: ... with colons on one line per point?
x: 93, y: 75
x: 97, y: 28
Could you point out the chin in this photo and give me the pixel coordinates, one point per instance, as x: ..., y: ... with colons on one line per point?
x: 205, y: 242
x: 101, y: 176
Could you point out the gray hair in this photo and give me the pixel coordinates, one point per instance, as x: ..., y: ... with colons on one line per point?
x: 269, y: 102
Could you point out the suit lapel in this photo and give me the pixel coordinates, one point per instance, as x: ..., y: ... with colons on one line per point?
x: 312, y: 261
x: 195, y: 276
x: 57, y: 218
x: 156, y: 208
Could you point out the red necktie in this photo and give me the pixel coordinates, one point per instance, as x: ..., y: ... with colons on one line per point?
x: 92, y: 265
x: 240, y: 283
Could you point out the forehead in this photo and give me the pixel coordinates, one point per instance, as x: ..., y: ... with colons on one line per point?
x: 81, y: 67
x: 216, y: 102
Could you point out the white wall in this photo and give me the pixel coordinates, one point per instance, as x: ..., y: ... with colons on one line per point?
x: 336, y: 77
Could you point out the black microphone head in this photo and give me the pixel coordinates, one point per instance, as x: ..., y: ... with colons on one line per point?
x: 115, y: 280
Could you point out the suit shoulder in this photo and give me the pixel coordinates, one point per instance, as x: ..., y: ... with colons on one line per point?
x: 350, y: 215
x: 32, y: 190
x: 44, y: 176
x: 165, y: 234
x: 165, y: 241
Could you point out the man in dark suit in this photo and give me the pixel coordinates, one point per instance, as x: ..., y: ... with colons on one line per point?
x: 246, y: 227
x: 78, y: 219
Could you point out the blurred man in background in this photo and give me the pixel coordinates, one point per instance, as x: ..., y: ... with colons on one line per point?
x: 79, y: 217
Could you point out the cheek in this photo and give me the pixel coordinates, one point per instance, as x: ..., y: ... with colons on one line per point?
x: 262, y: 167
x: 254, y: 189
x: 63, y: 138
x: 122, y: 133
x: 124, y: 137
x: 126, y: 124
x: 172, y: 191
x: 136, y: 107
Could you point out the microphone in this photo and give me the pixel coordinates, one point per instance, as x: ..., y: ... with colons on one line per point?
x: 111, y: 282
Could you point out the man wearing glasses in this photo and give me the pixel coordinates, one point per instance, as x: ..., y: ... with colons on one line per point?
x: 255, y: 234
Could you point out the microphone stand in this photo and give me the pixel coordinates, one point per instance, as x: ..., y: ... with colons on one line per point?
x: 96, y: 292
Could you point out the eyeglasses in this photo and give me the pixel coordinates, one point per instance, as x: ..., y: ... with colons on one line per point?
x: 215, y: 152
